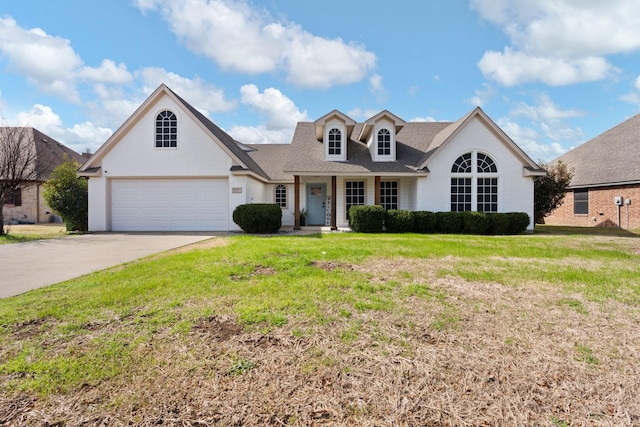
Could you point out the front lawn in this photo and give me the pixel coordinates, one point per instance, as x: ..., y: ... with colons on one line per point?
x: 29, y: 232
x: 336, y: 329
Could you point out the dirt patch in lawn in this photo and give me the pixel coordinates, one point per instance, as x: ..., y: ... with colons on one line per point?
x: 451, y: 353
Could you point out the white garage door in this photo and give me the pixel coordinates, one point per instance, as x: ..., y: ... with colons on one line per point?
x: 169, y: 205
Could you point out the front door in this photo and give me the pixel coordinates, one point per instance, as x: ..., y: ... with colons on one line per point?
x: 316, y: 202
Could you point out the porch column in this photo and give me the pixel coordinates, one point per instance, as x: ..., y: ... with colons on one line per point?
x: 296, y: 202
x: 334, y: 203
x: 376, y: 196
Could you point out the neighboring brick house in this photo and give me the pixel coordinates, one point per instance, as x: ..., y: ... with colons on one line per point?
x: 605, y: 189
x: 27, y: 205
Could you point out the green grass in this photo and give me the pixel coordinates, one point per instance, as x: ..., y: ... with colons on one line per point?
x: 94, y: 328
x: 28, y: 233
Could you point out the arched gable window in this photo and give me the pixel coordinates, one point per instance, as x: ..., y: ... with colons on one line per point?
x: 335, y: 142
x: 474, y: 188
x: 166, y: 130
x: 384, y: 142
x: 281, y: 195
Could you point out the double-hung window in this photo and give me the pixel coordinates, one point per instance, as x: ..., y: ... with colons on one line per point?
x: 335, y: 142
x: 354, y: 194
x: 384, y: 142
x: 581, y: 201
x: 389, y: 194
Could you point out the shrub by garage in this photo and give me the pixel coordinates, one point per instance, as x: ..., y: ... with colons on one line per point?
x: 258, y: 218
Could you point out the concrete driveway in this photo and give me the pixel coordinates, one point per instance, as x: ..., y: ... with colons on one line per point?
x: 31, y: 265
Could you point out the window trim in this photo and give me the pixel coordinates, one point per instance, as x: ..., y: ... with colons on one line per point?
x: 467, y: 167
x: 348, y: 205
x: 337, y: 143
x: 397, y: 195
x: 286, y: 196
x: 581, y: 203
x: 14, y: 199
x: 172, y: 128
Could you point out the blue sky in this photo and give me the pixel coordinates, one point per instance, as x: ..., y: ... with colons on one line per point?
x: 551, y: 73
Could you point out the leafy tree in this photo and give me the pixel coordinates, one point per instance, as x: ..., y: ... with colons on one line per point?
x: 68, y: 195
x: 550, y: 189
x: 18, y: 163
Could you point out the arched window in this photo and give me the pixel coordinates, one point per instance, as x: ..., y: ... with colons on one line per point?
x: 384, y: 142
x: 281, y: 195
x: 166, y: 130
x: 474, y: 188
x: 335, y: 142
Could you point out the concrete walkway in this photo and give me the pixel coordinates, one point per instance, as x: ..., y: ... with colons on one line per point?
x: 31, y: 265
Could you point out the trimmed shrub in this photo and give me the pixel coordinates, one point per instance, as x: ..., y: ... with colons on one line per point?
x: 474, y: 222
x: 366, y: 218
x: 449, y: 222
x: 518, y: 222
x: 398, y: 221
x: 498, y: 223
x: 424, y: 222
x: 258, y: 217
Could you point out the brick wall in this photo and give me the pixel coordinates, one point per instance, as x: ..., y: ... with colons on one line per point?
x: 32, y: 210
x: 602, y: 210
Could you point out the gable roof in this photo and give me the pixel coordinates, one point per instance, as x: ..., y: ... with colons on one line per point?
x: 335, y: 114
x: 237, y: 151
x: 612, y: 157
x: 49, y: 152
x: 448, y: 134
x: 416, y: 144
x: 368, y: 125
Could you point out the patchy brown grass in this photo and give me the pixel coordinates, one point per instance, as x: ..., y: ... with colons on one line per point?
x: 457, y: 353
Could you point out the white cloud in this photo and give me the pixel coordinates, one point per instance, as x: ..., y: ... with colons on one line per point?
x: 423, y: 119
x: 377, y: 89
x: 240, y: 38
x: 80, y: 137
x: 481, y: 97
x: 204, y: 96
x: 544, y: 111
x: 559, y: 42
x: 511, y: 68
x: 528, y: 139
x: 280, y: 111
x: 107, y: 72
x: 48, y: 62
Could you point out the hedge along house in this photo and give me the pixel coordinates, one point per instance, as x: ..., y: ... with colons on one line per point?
x: 467, y: 165
x: 168, y: 167
x: 605, y: 188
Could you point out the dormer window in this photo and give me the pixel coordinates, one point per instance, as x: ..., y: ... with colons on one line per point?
x: 335, y: 142
x: 384, y: 142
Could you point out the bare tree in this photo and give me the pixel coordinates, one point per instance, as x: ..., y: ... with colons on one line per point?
x: 18, y: 163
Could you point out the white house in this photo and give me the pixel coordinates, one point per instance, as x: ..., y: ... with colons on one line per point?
x: 169, y: 168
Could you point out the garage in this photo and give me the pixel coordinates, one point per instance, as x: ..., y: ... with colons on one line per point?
x: 169, y: 205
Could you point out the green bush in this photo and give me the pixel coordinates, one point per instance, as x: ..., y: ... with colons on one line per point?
x: 366, y: 219
x: 398, y: 221
x: 449, y: 222
x: 474, y: 222
x: 424, y: 222
x: 258, y: 217
x: 68, y: 195
x: 498, y: 223
x: 518, y: 222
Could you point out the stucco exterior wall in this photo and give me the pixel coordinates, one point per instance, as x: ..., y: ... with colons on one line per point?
x: 515, y: 191
x: 602, y: 210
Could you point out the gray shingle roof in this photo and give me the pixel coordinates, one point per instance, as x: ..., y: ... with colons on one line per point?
x: 49, y: 152
x: 612, y: 157
x: 413, y: 141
